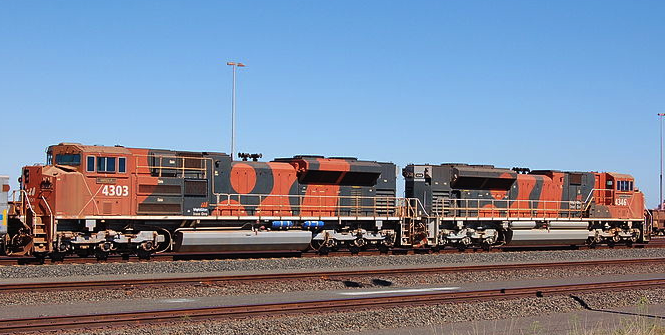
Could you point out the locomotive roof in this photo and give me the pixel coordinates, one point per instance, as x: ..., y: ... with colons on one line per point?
x: 96, y: 148
x: 119, y: 149
x: 620, y: 175
x: 484, y: 168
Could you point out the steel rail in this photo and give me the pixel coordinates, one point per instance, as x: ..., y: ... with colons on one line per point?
x: 25, y: 260
x: 289, y: 308
x: 326, y: 275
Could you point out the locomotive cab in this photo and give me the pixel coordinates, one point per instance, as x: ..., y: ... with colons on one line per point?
x: 70, y: 205
x: 615, y: 196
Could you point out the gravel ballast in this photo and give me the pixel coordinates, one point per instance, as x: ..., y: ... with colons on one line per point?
x: 319, y: 284
x: 347, y: 321
x: 266, y: 265
x: 401, y: 317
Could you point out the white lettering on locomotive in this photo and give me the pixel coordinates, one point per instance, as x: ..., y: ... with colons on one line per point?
x: 115, y: 190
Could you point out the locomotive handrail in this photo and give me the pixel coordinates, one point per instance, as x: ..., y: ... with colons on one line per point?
x: 180, y: 165
x: 52, y: 223
x: 510, y: 208
x: 418, y: 207
x: 323, y: 205
x: 490, y: 207
x: 612, y: 195
x: 24, y: 199
x: 592, y: 194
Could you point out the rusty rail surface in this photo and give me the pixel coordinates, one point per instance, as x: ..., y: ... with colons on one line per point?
x: 289, y: 308
x: 121, y: 283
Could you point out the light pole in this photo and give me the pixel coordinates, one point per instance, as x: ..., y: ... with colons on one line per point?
x: 660, y: 204
x: 235, y: 65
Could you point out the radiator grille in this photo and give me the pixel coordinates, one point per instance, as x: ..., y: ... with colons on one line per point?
x: 196, y: 187
x: 385, y: 202
x: 159, y: 189
x: 159, y: 209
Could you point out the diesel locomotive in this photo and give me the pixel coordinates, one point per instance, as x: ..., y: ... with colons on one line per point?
x: 98, y: 200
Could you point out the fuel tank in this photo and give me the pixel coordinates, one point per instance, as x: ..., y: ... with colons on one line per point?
x: 548, y: 237
x: 200, y: 240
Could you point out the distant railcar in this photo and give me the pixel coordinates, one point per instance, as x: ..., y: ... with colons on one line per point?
x: 658, y: 217
x: 4, y: 189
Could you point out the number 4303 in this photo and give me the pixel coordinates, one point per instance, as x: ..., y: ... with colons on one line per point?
x: 115, y: 191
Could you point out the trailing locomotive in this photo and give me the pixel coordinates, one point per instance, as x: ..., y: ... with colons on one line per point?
x: 97, y: 200
x: 481, y: 205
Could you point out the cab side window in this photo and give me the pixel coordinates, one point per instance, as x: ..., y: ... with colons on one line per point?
x: 122, y: 162
x: 624, y: 185
x: 90, y: 166
x: 106, y: 164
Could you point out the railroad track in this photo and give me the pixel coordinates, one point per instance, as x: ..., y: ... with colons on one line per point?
x: 5, y: 260
x: 328, y: 275
x: 42, y: 324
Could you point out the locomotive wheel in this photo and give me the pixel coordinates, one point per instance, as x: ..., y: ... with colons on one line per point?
x: 143, y: 254
x: 57, y: 256
x: 354, y: 249
x: 41, y: 257
x: 383, y: 249
x: 323, y: 250
x: 101, y: 255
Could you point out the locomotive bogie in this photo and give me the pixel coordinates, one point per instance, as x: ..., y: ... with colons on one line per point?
x: 82, y: 243
x: 359, y: 238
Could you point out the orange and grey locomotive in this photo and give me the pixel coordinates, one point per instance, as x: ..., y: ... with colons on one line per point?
x: 481, y: 205
x: 97, y: 200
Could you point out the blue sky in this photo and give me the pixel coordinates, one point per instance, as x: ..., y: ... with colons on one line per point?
x: 567, y: 85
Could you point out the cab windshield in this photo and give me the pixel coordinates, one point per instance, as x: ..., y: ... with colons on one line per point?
x: 68, y: 159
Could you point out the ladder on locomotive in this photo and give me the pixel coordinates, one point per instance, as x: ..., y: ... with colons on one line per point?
x: 40, y: 227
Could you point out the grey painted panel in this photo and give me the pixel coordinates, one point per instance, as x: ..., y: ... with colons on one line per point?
x: 246, y: 240
x: 545, y: 237
x: 569, y: 225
